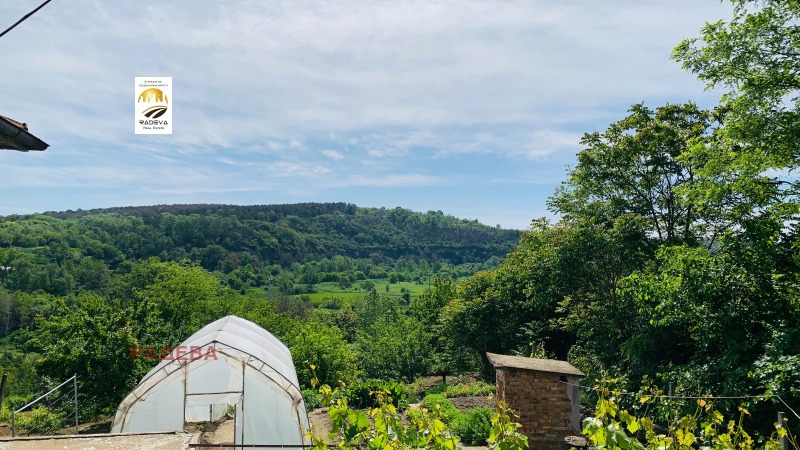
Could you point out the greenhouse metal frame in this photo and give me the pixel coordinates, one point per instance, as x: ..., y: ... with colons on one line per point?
x: 239, y: 365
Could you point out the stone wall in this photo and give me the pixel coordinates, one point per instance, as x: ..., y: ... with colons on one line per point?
x: 548, y: 408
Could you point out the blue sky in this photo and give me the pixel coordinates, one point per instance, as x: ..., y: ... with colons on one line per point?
x: 474, y: 108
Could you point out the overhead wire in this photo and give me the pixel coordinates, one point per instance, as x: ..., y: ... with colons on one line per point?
x: 24, y: 18
x: 692, y: 397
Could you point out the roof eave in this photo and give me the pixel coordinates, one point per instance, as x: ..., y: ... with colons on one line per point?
x: 499, y: 361
x: 15, y: 136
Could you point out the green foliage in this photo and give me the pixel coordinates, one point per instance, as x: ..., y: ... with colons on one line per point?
x: 365, y: 394
x: 374, y: 307
x: 438, y: 388
x: 94, y: 341
x: 222, y: 237
x: 312, y: 398
x: 469, y: 389
x: 615, y: 428
x: 390, y: 344
x: 167, y: 308
x: 40, y: 421
x: 505, y: 434
x: 559, y: 284
x: 461, y: 387
x: 327, y: 350
x: 752, y: 56
x: 441, y: 406
x: 382, y: 427
x: 473, y: 426
x: 635, y: 168
x: 354, y: 429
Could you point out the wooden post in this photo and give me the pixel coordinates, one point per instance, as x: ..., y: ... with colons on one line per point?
x: 75, y: 392
x: 781, y: 421
x: 3, y: 389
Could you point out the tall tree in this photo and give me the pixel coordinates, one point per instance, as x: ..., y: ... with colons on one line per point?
x: 635, y: 167
x: 94, y: 341
x: 557, y: 287
x: 755, y: 56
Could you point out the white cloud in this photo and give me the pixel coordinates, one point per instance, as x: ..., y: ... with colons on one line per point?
x: 332, y: 154
x: 403, y: 180
x: 294, y: 169
x: 296, y: 65
x: 386, y: 92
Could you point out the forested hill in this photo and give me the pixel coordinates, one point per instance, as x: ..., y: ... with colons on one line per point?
x: 267, y: 234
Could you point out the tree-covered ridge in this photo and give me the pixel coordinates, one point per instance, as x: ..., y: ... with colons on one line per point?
x: 274, y: 234
x: 284, y: 246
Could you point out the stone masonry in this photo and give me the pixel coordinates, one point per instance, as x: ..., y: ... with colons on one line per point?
x: 544, y: 394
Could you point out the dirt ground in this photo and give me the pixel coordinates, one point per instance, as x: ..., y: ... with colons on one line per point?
x: 218, y: 433
x: 465, y: 403
x: 154, y: 441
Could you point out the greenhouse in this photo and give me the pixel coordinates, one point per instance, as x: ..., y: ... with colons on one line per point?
x: 229, y: 366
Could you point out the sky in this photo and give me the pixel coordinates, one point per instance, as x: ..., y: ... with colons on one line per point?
x: 472, y: 108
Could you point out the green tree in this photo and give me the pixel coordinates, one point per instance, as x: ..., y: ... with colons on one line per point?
x: 558, y: 287
x: 711, y: 320
x: 635, y: 167
x: 346, y: 320
x: 445, y: 359
x: 755, y: 56
x: 372, y: 307
x: 167, y: 308
x: 327, y: 350
x: 426, y: 307
x: 396, y: 346
x: 94, y: 341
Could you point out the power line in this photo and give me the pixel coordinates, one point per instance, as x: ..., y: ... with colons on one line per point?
x: 691, y: 397
x: 787, y: 405
x: 24, y: 18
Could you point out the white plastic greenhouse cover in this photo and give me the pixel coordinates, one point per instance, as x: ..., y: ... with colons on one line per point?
x: 251, y: 370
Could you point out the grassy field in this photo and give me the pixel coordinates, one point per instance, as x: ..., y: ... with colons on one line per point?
x: 326, y: 292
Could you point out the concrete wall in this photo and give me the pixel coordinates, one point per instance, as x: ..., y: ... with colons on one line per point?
x: 548, y: 409
x: 151, y: 441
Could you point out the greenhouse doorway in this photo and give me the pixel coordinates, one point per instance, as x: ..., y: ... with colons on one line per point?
x: 211, y: 407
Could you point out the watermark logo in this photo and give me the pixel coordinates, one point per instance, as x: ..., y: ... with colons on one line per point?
x: 169, y: 353
x: 153, y: 108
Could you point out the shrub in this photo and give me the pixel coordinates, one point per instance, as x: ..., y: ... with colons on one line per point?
x: 614, y: 428
x: 438, y: 388
x: 416, y: 386
x: 473, y: 426
x: 463, y: 389
x: 360, y: 394
x: 312, y: 398
x: 441, y: 406
x: 15, y: 402
x: 41, y: 420
x: 5, y: 414
x: 471, y: 389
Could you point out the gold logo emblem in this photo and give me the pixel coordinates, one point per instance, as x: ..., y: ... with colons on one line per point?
x: 153, y: 105
x: 154, y: 95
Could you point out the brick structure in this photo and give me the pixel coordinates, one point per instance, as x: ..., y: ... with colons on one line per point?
x: 537, y: 390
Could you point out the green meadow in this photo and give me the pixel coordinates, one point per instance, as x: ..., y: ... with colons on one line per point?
x: 332, y: 296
